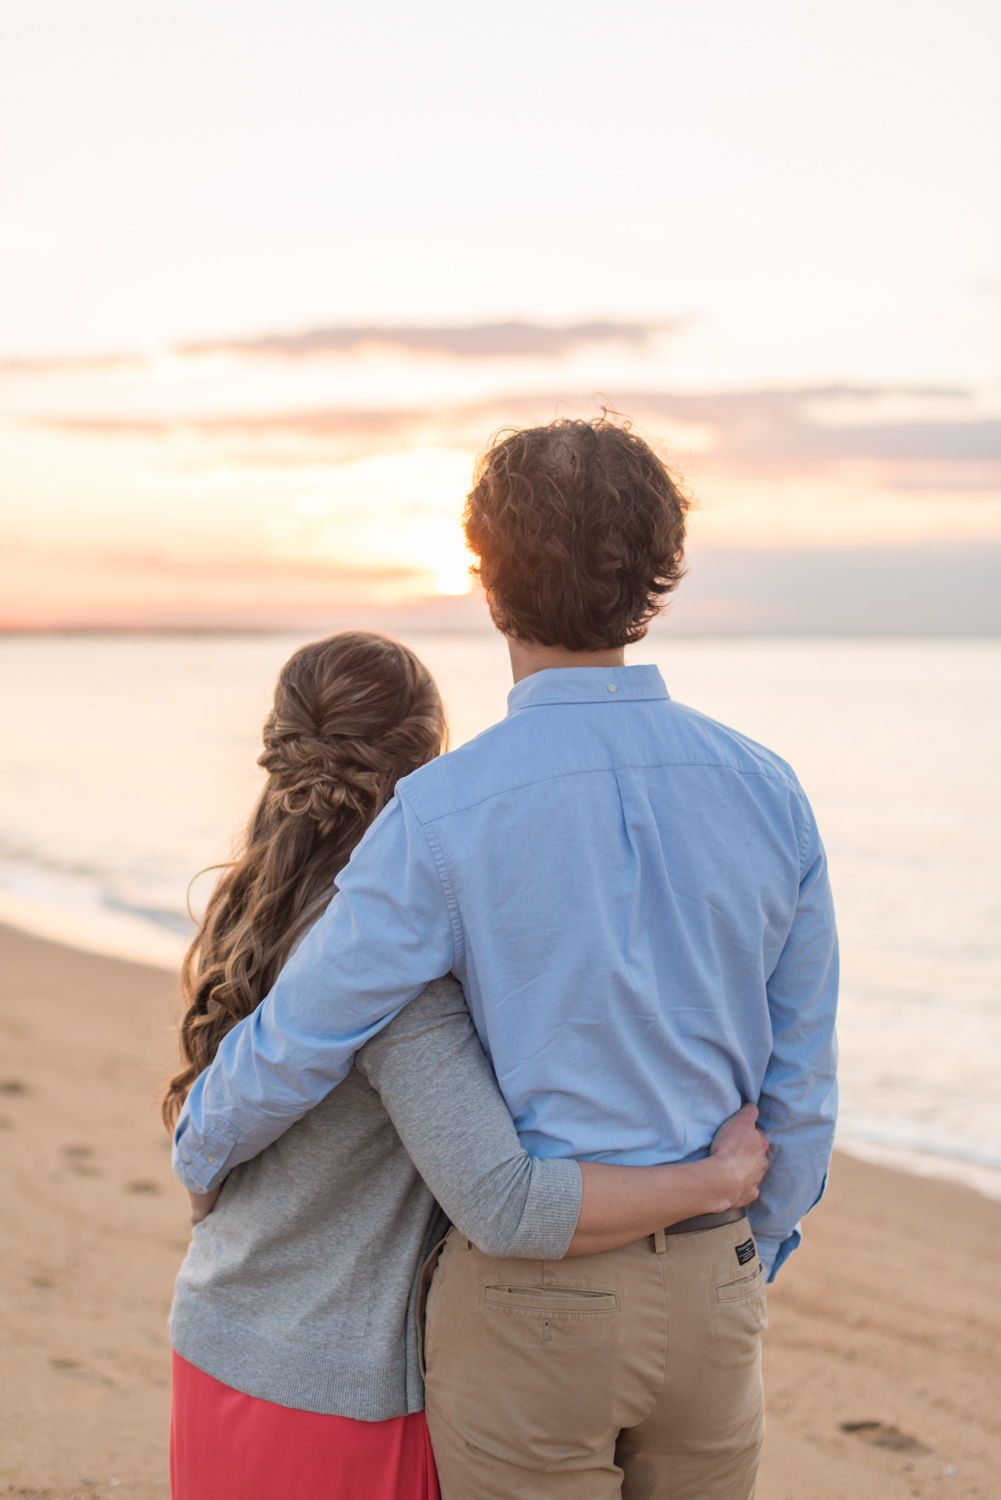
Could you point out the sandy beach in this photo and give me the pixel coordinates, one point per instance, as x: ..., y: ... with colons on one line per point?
x: 882, y: 1365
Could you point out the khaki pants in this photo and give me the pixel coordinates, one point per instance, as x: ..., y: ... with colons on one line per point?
x: 634, y: 1373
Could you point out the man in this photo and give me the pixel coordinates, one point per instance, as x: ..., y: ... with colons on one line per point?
x: 636, y: 902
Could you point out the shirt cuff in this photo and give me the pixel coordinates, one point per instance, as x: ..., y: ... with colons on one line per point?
x: 200, y: 1161
x: 773, y: 1253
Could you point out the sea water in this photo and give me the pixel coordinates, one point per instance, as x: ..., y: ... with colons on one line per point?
x: 127, y: 763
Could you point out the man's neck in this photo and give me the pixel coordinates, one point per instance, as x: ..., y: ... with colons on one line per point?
x: 527, y: 657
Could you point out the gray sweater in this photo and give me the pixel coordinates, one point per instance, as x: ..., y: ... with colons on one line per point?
x: 300, y: 1286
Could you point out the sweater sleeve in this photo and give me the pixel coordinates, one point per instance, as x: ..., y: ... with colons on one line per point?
x: 439, y: 1090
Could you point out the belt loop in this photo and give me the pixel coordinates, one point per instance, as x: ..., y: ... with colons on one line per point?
x: 660, y: 1242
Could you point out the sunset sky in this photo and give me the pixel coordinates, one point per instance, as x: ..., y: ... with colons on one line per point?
x: 271, y: 275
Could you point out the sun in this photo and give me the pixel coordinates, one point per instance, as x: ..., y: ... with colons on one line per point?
x: 438, y: 543
x: 451, y: 576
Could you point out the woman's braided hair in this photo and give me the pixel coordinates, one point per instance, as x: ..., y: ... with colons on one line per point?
x: 351, y: 715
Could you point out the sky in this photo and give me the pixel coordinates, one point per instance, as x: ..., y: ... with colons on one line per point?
x: 270, y: 276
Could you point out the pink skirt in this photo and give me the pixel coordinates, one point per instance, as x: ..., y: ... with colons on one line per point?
x: 228, y: 1446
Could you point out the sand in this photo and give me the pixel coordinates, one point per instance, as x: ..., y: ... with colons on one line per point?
x: 890, y: 1315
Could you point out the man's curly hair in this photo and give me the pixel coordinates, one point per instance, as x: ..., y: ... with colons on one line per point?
x: 579, y: 529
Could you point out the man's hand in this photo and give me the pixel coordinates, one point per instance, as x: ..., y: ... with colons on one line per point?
x: 741, y: 1149
x: 622, y: 1204
x: 202, y: 1204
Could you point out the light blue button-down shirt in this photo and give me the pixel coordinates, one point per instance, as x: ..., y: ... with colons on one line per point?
x: 636, y: 901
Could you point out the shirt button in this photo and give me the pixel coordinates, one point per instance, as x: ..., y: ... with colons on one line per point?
x: 612, y: 688
x: 211, y: 1161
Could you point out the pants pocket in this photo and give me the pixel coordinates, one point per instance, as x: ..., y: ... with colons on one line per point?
x: 554, y: 1299
x: 740, y: 1287
x: 566, y: 1318
x: 740, y: 1305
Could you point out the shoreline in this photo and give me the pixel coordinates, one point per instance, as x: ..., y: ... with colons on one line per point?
x: 936, y: 1165
x: 117, y: 936
x: 882, y: 1375
x: 121, y: 937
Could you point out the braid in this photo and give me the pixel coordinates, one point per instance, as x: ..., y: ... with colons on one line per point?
x: 351, y: 715
x: 314, y: 780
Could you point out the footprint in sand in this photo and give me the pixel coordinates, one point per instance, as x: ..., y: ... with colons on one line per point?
x: 78, y: 1160
x: 884, y: 1435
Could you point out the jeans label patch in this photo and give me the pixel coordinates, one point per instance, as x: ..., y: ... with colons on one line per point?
x: 745, y: 1252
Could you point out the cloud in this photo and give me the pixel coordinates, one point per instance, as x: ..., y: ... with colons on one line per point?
x: 940, y: 441
x: 70, y: 364
x: 253, y: 570
x: 324, y: 422
x: 53, y: 587
x: 802, y: 429
x: 508, y: 340
x: 784, y: 426
x: 920, y: 439
x: 151, y: 562
x: 929, y: 589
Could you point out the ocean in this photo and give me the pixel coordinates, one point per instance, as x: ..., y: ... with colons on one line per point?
x: 127, y: 764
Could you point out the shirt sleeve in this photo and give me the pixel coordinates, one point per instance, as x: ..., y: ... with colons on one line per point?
x: 390, y: 929
x: 439, y: 1090
x: 798, y: 1102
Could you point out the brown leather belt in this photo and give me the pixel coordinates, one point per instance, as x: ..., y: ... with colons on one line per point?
x: 707, y: 1221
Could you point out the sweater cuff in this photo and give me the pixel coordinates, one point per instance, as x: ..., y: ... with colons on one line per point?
x: 551, y: 1210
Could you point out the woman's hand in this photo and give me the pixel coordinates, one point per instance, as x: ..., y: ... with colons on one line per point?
x: 620, y: 1204
x: 202, y: 1204
x: 740, y: 1153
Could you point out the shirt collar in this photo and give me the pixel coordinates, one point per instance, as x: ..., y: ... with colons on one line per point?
x: 586, y: 685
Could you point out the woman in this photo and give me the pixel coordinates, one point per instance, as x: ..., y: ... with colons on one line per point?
x: 296, y: 1363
